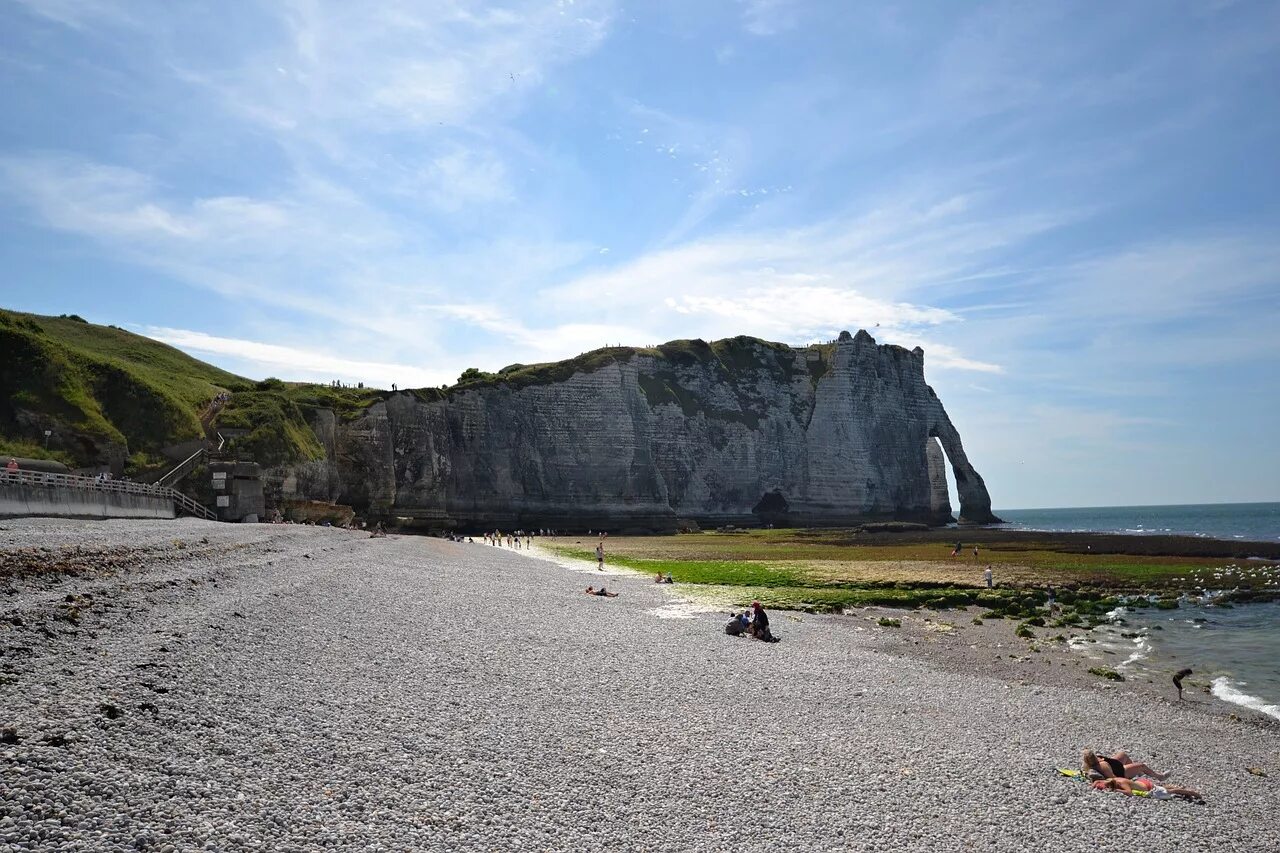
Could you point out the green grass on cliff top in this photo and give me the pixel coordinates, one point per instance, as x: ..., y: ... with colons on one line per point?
x: 731, y: 355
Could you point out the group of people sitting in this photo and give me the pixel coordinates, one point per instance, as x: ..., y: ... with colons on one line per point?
x: 661, y: 578
x: 753, y: 623
x: 1119, y: 772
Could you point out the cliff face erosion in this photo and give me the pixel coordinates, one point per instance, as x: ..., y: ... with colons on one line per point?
x: 738, y: 431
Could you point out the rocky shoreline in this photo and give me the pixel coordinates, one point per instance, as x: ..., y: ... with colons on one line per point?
x: 258, y: 687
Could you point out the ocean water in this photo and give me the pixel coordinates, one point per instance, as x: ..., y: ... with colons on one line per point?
x: 1253, y: 522
x: 1233, y: 652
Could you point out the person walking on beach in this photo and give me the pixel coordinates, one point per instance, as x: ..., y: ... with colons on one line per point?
x: 600, y: 556
x: 959, y: 548
x: 975, y: 553
x: 986, y: 576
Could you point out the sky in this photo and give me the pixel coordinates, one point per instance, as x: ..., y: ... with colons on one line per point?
x: 1073, y: 207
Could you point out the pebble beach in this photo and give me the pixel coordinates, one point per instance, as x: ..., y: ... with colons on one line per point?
x: 187, y: 685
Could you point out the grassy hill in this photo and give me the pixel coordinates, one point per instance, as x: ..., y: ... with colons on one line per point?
x: 97, y: 386
x: 103, y: 390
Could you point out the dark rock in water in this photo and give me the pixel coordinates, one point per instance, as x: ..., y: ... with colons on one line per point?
x: 739, y: 431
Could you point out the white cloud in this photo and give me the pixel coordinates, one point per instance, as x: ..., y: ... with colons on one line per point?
x: 301, y: 363
x: 1185, y: 278
x: 540, y: 343
x: 768, y: 17
x: 463, y: 178
x: 800, y: 311
x: 880, y: 268
x: 78, y: 14
x: 110, y: 202
x: 400, y: 63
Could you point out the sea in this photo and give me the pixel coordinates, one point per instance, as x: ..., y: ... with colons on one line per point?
x: 1233, y: 652
x: 1257, y: 522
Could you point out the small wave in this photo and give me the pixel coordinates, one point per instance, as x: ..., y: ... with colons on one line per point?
x: 1222, y: 688
x: 1142, y: 650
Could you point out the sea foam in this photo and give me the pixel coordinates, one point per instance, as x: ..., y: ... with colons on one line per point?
x: 1228, y: 692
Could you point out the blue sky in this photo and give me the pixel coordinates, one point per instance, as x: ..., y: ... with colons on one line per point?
x: 1073, y: 207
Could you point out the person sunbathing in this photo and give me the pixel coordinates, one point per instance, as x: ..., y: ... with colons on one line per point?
x: 601, y: 591
x: 1144, y: 784
x: 1118, y: 766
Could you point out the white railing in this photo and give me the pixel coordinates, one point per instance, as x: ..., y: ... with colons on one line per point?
x: 183, y: 468
x: 94, y: 484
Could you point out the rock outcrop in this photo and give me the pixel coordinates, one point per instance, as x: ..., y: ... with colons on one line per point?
x: 737, y: 431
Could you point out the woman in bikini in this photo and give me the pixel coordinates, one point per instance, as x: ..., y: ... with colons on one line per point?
x: 1160, y: 792
x: 1118, y: 766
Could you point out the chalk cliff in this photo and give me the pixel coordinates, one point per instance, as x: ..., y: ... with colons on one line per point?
x: 736, y: 431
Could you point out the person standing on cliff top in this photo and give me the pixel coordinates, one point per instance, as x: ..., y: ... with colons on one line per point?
x: 600, y: 556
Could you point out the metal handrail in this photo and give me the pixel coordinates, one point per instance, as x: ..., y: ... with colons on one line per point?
x: 93, y: 484
x: 182, y: 469
x: 192, y: 506
x: 75, y: 481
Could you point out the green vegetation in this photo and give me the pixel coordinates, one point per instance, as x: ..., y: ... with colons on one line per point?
x: 886, y: 622
x: 1103, y: 672
x: 732, y: 573
x: 831, y: 570
x: 522, y: 376
x: 735, y: 362
x: 97, y: 385
x: 278, y: 431
x: 33, y: 450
